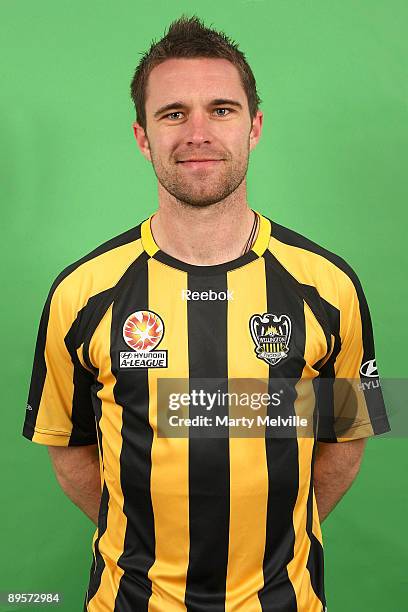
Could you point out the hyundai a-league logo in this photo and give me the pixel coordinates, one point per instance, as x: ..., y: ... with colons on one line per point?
x: 143, y: 330
x: 271, y: 334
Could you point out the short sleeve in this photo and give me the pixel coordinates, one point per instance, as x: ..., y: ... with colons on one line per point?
x: 59, y: 409
x: 350, y: 399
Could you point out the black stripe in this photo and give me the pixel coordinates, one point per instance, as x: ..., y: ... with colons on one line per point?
x: 38, y: 374
x: 39, y: 370
x: 131, y: 391
x: 277, y: 594
x: 98, y: 567
x: 315, y: 561
x: 323, y: 384
x: 292, y: 238
x: 209, y: 473
x: 374, y: 397
x: 83, y: 418
x: 81, y: 332
x: 317, y: 306
x: 87, y: 321
x: 329, y: 319
x: 308, y: 293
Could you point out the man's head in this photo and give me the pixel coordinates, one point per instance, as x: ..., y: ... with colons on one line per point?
x: 196, y: 99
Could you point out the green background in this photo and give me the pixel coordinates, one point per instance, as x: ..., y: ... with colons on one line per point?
x: 331, y: 164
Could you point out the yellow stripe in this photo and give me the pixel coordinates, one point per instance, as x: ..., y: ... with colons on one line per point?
x: 338, y: 290
x: 316, y: 528
x: 169, y: 478
x: 148, y: 242
x: 306, y: 267
x: 112, y: 541
x: 249, y: 487
x: 264, y: 233
x: 90, y: 278
x: 80, y: 355
x: 315, y: 349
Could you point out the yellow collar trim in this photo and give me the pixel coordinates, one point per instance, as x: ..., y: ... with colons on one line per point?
x: 259, y: 247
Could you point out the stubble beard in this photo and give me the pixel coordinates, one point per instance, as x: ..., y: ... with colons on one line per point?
x: 201, y: 189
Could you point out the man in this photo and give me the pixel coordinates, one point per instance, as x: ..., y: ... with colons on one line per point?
x: 205, y: 291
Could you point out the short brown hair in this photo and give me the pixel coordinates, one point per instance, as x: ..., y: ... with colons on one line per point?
x: 187, y: 37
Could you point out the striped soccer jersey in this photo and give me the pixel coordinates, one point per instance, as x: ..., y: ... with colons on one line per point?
x: 196, y: 522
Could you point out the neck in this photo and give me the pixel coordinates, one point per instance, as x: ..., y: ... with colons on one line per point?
x: 206, y: 235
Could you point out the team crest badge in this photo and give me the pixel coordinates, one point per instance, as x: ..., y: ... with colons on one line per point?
x: 143, y: 331
x: 271, y: 335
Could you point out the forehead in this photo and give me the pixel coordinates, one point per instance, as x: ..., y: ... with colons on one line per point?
x: 196, y: 78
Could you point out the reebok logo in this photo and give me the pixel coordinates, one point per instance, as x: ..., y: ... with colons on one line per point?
x: 211, y: 295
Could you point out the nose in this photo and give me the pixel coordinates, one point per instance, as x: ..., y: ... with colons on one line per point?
x: 197, y: 129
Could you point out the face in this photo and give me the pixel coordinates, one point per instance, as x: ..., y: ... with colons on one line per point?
x: 198, y: 129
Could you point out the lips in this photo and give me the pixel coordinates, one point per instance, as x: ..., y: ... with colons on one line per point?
x: 183, y: 161
x: 195, y: 164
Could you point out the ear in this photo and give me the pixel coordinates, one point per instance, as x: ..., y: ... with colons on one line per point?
x: 142, y: 140
x: 256, y: 130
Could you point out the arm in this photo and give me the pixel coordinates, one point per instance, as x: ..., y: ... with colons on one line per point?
x: 77, y: 471
x: 336, y: 466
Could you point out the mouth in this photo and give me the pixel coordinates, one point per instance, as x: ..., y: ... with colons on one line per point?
x: 200, y: 163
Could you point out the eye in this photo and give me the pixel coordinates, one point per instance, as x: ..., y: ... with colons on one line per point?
x: 173, y: 113
x: 221, y: 112
x: 223, y: 109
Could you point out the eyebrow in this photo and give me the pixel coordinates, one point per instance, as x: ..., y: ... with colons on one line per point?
x: 179, y: 105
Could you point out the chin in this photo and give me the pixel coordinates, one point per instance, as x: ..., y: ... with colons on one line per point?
x: 202, y: 200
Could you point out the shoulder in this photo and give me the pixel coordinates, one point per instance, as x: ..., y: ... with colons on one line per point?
x: 95, y: 272
x: 106, y: 253
x: 313, y: 264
